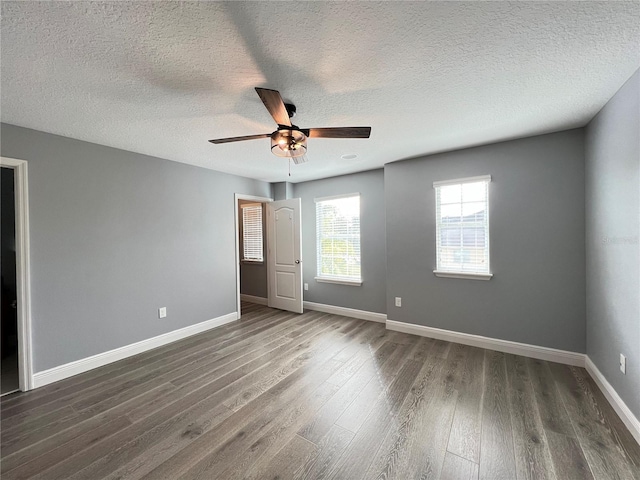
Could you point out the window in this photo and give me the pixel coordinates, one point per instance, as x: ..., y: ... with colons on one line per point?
x: 462, y: 228
x: 252, y: 232
x: 338, y: 239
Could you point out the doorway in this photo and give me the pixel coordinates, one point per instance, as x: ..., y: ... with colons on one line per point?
x: 251, y: 251
x: 8, y: 282
x: 280, y: 265
x: 15, y: 302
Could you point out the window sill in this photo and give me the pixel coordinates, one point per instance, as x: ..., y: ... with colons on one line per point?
x: 465, y: 275
x: 339, y: 281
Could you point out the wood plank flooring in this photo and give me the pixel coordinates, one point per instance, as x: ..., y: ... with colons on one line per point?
x: 312, y: 396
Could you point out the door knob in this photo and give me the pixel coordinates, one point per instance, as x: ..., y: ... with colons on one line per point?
x: 297, y: 261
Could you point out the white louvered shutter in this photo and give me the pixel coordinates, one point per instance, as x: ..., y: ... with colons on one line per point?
x: 252, y: 232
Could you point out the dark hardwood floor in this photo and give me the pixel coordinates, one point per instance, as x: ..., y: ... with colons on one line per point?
x: 280, y: 395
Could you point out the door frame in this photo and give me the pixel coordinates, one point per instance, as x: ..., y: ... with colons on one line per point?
x: 242, y: 196
x: 23, y: 269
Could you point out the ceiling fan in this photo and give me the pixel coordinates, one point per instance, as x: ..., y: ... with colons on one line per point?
x: 289, y: 140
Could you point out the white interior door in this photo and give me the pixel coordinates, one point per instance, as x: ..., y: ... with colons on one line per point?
x: 284, y: 249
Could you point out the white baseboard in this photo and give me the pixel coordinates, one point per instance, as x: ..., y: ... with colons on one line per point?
x: 346, y: 312
x: 61, y: 372
x: 627, y: 416
x: 253, y: 299
x: 524, y: 349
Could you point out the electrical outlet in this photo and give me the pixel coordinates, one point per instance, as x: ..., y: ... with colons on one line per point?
x: 623, y: 364
x: 306, y: 286
x: 162, y: 312
x: 398, y: 301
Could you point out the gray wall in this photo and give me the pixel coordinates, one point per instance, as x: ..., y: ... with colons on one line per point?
x: 537, y: 294
x: 613, y: 250
x: 253, y: 276
x: 370, y: 296
x: 114, y: 236
x: 282, y: 190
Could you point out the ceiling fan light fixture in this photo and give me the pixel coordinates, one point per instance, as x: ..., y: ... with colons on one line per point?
x: 288, y: 143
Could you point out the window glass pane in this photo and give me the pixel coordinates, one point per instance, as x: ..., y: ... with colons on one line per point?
x: 338, y: 237
x: 474, y: 192
x: 450, y: 236
x: 473, y: 237
x: 450, y: 193
x: 473, y: 212
x: 462, y: 227
x: 452, y: 210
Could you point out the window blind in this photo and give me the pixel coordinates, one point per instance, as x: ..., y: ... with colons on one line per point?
x: 462, y: 225
x: 338, y: 237
x: 252, y: 232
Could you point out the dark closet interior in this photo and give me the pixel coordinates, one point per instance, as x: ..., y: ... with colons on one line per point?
x: 9, y: 333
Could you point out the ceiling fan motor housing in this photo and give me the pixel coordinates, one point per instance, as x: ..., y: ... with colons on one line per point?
x: 291, y: 109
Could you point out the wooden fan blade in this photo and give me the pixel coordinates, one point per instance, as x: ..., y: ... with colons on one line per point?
x: 273, y: 101
x: 239, y: 139
x: 338, y: 132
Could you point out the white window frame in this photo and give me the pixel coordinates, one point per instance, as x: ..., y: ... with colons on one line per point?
x: 244, y: 207
x: 338, y: 279
x: 440, y: 271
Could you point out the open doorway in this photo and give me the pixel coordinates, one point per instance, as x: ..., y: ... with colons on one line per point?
x: 15, y: 292
x: 272, y: 273
x: 8, y: 281
x: 251, y: 251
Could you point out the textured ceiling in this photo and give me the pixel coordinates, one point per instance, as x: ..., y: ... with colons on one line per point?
x: 161, y: 78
